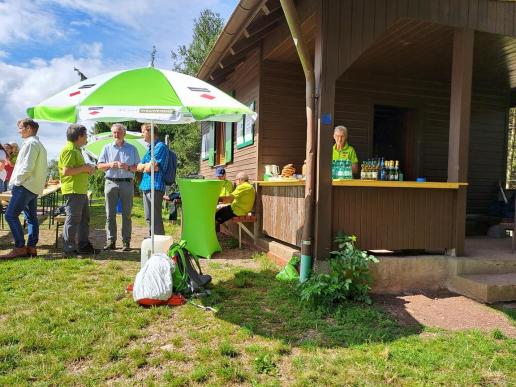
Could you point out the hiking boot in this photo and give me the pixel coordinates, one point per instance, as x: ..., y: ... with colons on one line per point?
x: 17, y: 252
x: 110, y: 246
x: 88, y: 250
x: 127, y: 246
x: 31, y: 251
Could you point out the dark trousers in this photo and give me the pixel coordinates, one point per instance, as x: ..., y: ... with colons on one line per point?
x: 224, y: 214
x: 24, y: 201
x: 77, y: 222
x: 158, y: 205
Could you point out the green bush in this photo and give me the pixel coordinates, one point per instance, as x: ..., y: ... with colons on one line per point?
x: 349, y: 277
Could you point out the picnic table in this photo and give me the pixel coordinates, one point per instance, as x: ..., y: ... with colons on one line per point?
x: 48, y: 200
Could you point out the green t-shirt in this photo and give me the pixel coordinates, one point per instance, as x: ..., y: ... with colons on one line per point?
x: 244, y: 199
x: 227, y: 188
x: 346, y: 153
x: 71, y: 157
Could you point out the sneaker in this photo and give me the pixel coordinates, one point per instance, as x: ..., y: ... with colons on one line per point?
x: 110, y: 246
x: 69, y: 253
x: 127, y: 246
x: 88, y: 250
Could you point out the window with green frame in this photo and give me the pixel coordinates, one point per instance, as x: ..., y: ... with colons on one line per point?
x: 245, y: 129
x: 219, y: 140
x: 205, y: 146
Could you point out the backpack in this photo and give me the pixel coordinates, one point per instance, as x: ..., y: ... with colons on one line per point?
x: 169, y: 175
x: 188, y: 277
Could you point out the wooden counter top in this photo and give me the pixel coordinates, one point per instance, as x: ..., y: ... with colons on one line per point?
x: 281, y: 183
x: 396, y: 184
x: 368, y: 183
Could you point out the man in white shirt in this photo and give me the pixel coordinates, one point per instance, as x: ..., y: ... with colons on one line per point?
x: 27, y: 183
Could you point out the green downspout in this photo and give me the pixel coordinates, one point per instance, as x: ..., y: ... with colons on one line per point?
x: 294, y: 25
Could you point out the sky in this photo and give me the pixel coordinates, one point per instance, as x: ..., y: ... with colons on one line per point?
x: 41, y: 41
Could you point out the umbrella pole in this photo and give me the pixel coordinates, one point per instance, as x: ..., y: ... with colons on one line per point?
x: 153, y: 161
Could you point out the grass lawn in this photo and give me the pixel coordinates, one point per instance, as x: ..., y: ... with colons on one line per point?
x: 68, y: 321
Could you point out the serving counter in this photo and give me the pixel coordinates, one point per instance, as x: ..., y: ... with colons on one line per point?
x: 283, y: 212
x: 392, y: 215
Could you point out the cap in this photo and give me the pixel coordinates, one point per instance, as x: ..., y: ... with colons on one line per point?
x: 220, y: 171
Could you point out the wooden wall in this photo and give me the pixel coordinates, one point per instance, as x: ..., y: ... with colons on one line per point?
x: 488, y: 147
x: 282, y: 115
x: 283, y: 212
x: 245, y: 81
x: 396, y: 218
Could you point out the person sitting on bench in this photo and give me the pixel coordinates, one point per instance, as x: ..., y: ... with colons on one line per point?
x: 241, y: 199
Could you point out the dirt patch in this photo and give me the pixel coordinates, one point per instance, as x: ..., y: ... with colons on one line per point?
x: 445, y: 310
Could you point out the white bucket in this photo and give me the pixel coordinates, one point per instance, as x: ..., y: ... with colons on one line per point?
x: 161, y: 245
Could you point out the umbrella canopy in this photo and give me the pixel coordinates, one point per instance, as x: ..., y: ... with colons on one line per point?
x: 144, y: 94
x: 97, y: 142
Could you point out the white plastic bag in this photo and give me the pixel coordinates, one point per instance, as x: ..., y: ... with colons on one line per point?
x: 154, y: 280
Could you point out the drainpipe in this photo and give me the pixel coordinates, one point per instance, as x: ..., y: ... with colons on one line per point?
x: 294, y: 25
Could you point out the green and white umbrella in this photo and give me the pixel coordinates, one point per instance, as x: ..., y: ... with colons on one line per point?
x: 144, y: 94
x: 97, y: 142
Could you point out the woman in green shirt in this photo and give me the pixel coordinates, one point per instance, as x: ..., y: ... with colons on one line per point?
x: 342, y: 150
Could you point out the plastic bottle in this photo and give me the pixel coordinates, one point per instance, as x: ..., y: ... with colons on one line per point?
x: 161, y: 245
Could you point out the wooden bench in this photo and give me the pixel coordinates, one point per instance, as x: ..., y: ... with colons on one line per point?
x: 240, y: 220
x: 59, y: 220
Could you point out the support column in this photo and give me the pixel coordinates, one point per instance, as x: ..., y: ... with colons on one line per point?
x: 325, y: 67
x: 460, y: 112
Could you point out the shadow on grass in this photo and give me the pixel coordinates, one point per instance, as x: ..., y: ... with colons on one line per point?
x: 270, y: 308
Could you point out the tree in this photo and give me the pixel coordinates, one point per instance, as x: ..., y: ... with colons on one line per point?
x: 53, y: 170
x: 207, y: 28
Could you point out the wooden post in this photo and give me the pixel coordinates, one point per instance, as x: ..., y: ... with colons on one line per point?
x: 460, y: 111
x: 325, y: 68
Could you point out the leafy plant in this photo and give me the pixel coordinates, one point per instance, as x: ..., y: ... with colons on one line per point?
x: 96, y: 183
x: 349, y: 277
x: 265, y: 364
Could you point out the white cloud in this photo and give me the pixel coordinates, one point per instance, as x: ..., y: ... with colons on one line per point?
x: 23, y: 20
x: 144, y: 15
x: 164, y: 23
x: 21, y: 87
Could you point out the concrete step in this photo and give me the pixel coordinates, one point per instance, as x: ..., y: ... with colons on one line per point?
x: 465, y: 265
x: 280, y: 253
x: 488, y: 288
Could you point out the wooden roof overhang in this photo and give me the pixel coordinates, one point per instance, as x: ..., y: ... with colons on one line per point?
x: 249, y: 24
x: 252, y: 23
x: 417, y: 49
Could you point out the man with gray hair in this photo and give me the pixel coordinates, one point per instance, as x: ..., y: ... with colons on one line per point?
x: 342, y: 150
x: 74, y: 173
x: 241, y: 199
x: 119, y: 159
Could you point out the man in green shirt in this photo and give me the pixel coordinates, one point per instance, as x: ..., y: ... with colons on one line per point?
x: 227, y: 186
x: 342, y: 150
x: 74, y: 172
x: 241, y: 199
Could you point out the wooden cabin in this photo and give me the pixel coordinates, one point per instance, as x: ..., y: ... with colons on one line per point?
x: 425, y: 82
